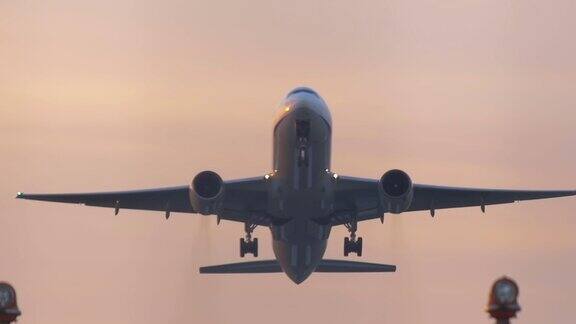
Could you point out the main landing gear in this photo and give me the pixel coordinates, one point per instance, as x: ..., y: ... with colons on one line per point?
x: 352, y: 244
x: 247, y: 244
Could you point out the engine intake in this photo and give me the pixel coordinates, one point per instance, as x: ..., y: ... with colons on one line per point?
x: 207, y: 192
x: 396, y: 191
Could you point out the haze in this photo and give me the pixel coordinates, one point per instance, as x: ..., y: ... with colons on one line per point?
x: 107, y: 95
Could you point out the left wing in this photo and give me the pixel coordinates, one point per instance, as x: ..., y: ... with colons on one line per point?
x: 427, y: 197
x: 244, y: 198
x: 358, y: 197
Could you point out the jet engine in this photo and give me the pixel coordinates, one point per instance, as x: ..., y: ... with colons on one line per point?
x: 207, y: 192
x: 396, y: 191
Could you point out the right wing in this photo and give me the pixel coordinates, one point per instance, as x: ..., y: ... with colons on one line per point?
x: 245, y: 200
x: 163, y: 199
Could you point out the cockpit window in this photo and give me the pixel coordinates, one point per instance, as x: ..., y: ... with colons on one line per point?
x: 302, y: 89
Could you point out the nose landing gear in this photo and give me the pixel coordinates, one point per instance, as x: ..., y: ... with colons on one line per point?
x: 247, y: 244
x: 352, y: 244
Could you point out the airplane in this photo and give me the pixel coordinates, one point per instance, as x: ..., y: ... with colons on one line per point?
x: 301, y: 199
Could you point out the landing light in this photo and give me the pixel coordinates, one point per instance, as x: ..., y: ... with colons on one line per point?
x: 287, y: 109
x: 267, y: 177
x: 335, y: 175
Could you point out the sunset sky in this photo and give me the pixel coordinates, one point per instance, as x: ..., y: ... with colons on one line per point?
x: 112, y: 95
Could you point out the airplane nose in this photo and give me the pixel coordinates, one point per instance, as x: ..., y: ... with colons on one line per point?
x: 305, y: 90
x: 306, y: 108
x: 301, y: 109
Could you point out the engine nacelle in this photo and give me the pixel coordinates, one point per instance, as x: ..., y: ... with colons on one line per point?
x: 207, y: 192
x: 396, y: 191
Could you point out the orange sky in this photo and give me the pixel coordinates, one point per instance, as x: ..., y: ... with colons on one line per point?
x: 111, y: 95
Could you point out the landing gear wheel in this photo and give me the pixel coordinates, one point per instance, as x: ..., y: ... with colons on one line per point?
x: 353, y: 246
x: 242, y: 248
x: 248, y: 246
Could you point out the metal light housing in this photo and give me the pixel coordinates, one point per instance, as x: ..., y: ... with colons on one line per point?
x: 8, y: 307
x: 503, y: 302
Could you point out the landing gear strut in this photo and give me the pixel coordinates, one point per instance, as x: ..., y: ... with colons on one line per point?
x: 247, y: 244
x: 352, y: 244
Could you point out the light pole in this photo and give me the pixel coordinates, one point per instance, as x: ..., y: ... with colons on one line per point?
x: 503, y: 303
x: 8, y: 308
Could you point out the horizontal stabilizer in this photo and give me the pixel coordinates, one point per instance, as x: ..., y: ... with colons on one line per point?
x: 353, y: 266
x: 272, y: 266
x: 266, y: 266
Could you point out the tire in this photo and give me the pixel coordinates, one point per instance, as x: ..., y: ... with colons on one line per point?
x: 242, y: 249
x: 255, y: 246
x: 359, y: 247
x: 346, y: 246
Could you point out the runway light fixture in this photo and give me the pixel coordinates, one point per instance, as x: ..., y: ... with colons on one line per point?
x: 8, y: 308
x: 503, y: 303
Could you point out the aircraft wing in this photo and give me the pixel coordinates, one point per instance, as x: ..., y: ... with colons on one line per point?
x: 173, y: 199
x: 358, y: 196
x: 243, y: 198
x: 428, y: 197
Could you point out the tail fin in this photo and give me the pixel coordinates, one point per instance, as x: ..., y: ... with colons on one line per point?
x: 272, y: 266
